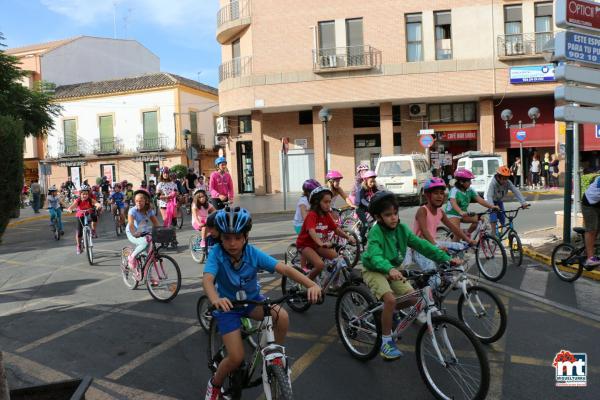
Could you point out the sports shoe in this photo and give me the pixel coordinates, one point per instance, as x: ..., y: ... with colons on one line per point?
x: 389, y: 351
x: 422, y: 317
x: 213, y: 392
x: 78, y: 250
x: 591, y: 263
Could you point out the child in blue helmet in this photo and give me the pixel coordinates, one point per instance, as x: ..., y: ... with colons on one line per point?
x: 231, y: 274
x: 220, y: 184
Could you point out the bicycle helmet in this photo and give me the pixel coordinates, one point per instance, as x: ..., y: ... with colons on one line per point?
x: 220, y: 160
x: 164, y: 169
x: 196, y: 191
x: 361, y: 168
x: 331, y: 175
x: 84, y: 188
x: 52, y: 188
x: 233, y: 220
x: 317, y: 194
x: 463, y: 173
x: 382, y: 200
x: 503, y: 171
x: 310, y: 184
x: 434, y: 183
x: 369, y: 174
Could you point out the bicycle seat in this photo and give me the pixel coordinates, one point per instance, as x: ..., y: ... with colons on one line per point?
x: 579, y: 230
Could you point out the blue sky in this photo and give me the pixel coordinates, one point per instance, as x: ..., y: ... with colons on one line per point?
x: 180, y: 32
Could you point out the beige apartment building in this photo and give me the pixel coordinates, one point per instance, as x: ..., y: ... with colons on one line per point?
x: 385, y: 69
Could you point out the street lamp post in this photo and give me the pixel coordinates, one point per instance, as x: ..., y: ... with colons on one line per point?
x: 186, y: 137
x: 325, y: 116
x: 507, y: 115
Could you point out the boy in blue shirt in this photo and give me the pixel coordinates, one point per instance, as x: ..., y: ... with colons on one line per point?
x: 117, y: 198
x: 231, y: 273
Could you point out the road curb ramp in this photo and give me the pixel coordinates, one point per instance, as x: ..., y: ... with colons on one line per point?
x: 547, y: 260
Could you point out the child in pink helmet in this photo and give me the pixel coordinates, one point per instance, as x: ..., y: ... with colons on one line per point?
x: 360, y: 170
x: 333, y: 181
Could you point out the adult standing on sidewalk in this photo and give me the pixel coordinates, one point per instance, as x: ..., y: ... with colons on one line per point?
x: 535, y: 171
x: 220, y: 184
x: 36, y: 191
x: 516, y: 170
x: 590, y: 208
x: 553, y: 171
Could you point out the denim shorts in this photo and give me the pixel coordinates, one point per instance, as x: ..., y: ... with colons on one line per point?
x: 495, y: 216
x: 231, y: 320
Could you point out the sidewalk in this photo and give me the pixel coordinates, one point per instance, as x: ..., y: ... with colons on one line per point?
x: 267, y: 204
x: 540, y: 243
x: 27, y: 215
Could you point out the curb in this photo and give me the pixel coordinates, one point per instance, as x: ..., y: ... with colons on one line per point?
x: 546, y: 260
x: 31, y: 219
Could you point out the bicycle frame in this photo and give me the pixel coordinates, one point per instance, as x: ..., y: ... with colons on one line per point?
x: 503, y: 230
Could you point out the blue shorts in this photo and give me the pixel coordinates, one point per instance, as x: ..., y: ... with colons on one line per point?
x: 230, y: 321
x: 120, y: 206
x: 495, y: 216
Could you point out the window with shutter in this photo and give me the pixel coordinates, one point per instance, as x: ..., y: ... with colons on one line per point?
x: 106, y: 133
x: 70, y: 132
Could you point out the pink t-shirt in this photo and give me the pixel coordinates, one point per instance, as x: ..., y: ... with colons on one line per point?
x: 433, y: 221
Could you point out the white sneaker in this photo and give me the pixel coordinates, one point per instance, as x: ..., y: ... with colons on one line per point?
x: 422, y: 317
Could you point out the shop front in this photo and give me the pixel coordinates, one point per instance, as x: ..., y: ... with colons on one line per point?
x: 451, y: 141
x: 589, y: 141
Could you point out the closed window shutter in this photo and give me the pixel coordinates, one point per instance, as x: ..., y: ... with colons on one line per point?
x: 70, y: 130
x: 106, y: 129
x: 194, y: 126
x: 150, y: 125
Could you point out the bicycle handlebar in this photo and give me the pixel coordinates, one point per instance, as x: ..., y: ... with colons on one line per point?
x: 293, y: 292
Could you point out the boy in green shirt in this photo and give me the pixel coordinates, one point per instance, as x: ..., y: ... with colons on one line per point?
x: 387, y: 243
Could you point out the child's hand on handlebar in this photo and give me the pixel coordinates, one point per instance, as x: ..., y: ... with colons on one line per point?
x: 313, y: 294
x: 456, y: 261
x: 223, y: 304
x: 396, y: 275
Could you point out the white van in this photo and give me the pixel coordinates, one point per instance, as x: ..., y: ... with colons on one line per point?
x: 404, y: 174
x: 482, y: 165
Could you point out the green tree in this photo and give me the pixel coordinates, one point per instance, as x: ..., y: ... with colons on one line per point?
x: 23, y: 112
x: 180, y: 170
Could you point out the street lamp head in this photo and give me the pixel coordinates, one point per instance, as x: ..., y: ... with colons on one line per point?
x: 534, y: 113
x: 187, y: 133
x: 325, y: 115
x: 506, y: 116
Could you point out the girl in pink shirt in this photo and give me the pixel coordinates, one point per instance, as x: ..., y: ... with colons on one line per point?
x: 220, y: 185
x: 200, y: 210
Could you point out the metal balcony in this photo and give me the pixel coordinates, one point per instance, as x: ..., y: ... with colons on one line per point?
x: 346, y: 58
x: 235, y: 68
x: 107, y: 146
x: 232, y: 19
x: 160, y: 143
x: 67, y: 149
x: 523, y: 45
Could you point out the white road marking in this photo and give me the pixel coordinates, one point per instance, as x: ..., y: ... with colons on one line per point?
x: 535, y: 281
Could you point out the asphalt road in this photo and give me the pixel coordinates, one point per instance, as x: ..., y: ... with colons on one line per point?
x: 61, y: 318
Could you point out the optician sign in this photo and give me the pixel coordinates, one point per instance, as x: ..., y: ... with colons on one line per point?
x: 583, y: 14
x: 573, y: 46
x: 532, y: 73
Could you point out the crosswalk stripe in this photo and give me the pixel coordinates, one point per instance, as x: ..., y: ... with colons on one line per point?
x: 588, y: 295
x: 535, y: 281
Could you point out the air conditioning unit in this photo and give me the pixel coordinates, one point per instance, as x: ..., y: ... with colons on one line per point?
x: 417, y: 110
x: 222, y: 126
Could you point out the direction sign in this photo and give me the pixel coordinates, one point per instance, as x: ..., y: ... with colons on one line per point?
x: 576, y: 94
x: 581, y: 115
x: 574, y: 46
x: 583, y: 14
x: 521, y: 135
x: 426, y: 132
x: 426, y: 141
x: 567, y: 72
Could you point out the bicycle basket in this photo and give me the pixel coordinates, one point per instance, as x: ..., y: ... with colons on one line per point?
x: 162, y: 234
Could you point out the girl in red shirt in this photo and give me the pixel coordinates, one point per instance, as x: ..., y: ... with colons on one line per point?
x: 313, y: 240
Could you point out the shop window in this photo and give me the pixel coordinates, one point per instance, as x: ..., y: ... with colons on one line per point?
x: 454, y: 112
x: 366, y: 117
x: 305, y: 117
x: 396, y: 116
x: 367, y: 141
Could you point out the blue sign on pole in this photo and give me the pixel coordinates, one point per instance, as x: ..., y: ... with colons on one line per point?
x: 574, y: 46
x: 521, y: 135
x: 426, y: 141
x: 597, y: 131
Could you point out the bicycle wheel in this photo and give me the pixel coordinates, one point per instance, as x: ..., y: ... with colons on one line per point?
x: 464, y: 372
x: 358, y: 329
x: 443, y: 234
x: 291, y: 253
x: 516, y: 248
x: 196, y: 250
x: 351, y: 251
x: 88, y: 245
x: 126, y: 273
x: 483, y: 313
x: 566, y: 262
x: 204, y: 316
x: 179, y: 216
x: 490, y: 257
x: 56, y: 230
x: 297, y: 304
x: 279, y: 383
x: 163, y: 278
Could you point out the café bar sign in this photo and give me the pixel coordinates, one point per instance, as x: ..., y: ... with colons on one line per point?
x: 458, y: 135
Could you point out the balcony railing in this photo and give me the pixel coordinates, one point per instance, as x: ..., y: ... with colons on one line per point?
x: 346, y: 58
x: 235, y: 68
x: 232, y: 19
x: 523, y: 44
x: 107, y: 146
x: 160, y: 143
x: 71, y: 148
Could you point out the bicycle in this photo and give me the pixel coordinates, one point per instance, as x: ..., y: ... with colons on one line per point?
x: 444, y: 345
x: 85, y: 240
x: 486, y: 318
x: 199, y: 252
x: 119, y: 226
x: 160, y: 272
x: 351, y: 251
x: 267, y: 357
x: 568, y: 261
x: 508, y: 231
x: 490, y: 254
x: 335, y: 275
x: 56, y: 232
